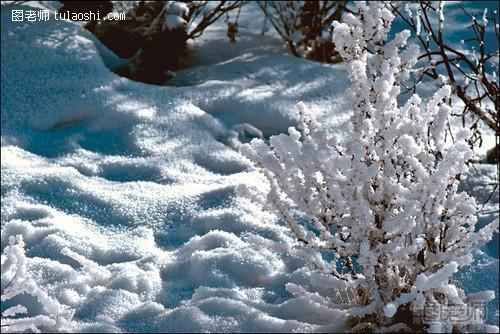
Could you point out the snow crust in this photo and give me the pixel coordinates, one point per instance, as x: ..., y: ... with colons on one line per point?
x: 124, y: 192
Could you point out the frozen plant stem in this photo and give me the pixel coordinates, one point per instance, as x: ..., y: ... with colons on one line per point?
x: 471, y: 73
x: 384, y: 201
x: 18, y: 282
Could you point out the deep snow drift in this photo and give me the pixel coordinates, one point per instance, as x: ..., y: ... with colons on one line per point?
x: 125, y: 192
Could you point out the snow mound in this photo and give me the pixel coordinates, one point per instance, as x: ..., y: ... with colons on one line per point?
x: 125, y: 196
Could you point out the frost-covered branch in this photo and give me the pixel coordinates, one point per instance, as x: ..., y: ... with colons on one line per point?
x: 15, y: 282
x: 383, y: 203
x: 470, y: 71
x: 305, y: 26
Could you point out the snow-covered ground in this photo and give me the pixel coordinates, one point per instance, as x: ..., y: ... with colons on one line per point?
x: 125, y: 192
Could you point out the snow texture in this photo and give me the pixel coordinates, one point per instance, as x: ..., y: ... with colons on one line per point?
x: 124, y: 193
x: 174, y: 14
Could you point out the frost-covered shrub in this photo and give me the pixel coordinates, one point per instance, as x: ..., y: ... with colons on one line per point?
x: 305, y: 26
x: 155, y: 34
x: 15, y: 282
x: 471, y: 69
x: 380, y: 210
